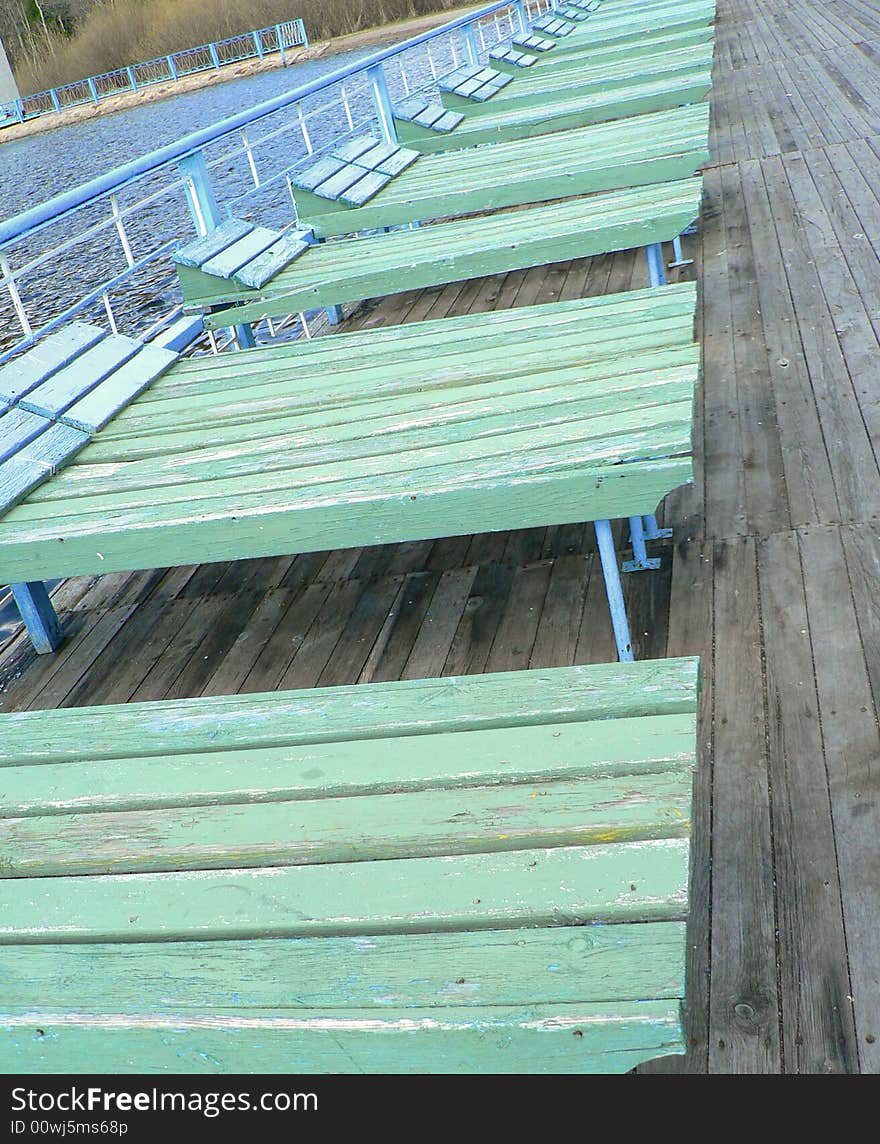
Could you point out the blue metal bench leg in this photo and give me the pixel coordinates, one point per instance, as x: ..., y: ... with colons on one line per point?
x: 678, y: 258
x: 656, y: 269
x: 653, y: 531
x: 614, y: 591
x: 245, y: 335
x: 334, y: 315
x: 640, y: 561
x: 39, y: 615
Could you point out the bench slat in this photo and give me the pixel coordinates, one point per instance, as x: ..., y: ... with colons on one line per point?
x: 329, y: 715
x: 262, y: 269
x: 240, y: 253
x: 631, y: 881
x: 35, y: 463
x: 99, y: 406
x: 52, y: 397
x: 17, y: 429
x: 557, y: 1039
x: 557, y: 965
x: 196, y: 253
x: 53, y: 353
x: 478, y: 820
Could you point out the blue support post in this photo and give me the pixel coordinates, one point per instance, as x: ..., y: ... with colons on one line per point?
x: 39, y: 615
x: 93, y: 90
x: 640, y: 561
x: 522, y: 19
x: 172, y: 67
x: 279, y: 40
x: 614, y: 591
x: 258, y: 43
x: 56, y: 102
x: 382, y: 103
x: 656, y: 270
x: 212, y: 48
x: 471, y: 50
x: 131, y: 78
x: 303, y: 33
x: 206, y: 215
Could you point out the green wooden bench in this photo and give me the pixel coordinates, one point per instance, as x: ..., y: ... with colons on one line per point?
x: 563, y: 110
x: 633, y: 51
x: 351, y: 269
x: 632, y: 152
x: 541, y: 88
x: 472, y: 874
x: 568, y: 412
x: 624, y: 25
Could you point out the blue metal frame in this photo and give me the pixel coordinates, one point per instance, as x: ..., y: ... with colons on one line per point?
x: 614, y: 590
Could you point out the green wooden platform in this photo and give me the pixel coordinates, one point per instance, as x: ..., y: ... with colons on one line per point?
x: 355, y: 268
x: 477, y: 873
x: 633, y: 152
x: 558, y: 111
x: 492, y: 422
x: 596, y: 55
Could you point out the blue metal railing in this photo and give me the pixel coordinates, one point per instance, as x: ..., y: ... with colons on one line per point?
x: 206, y: 57
x: 242, y: 162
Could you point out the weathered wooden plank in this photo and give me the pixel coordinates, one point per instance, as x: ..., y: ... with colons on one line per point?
x: 420, y: 707
x: 55, y: 395
x: 560, y: 965
x: 53, y: 353
x: 102, y: 403
x: 477, y: 820
x: 579, y: 1038
x: 17, y: 429
x: 264, y: 267
x: 30, y: 466
x: 633, y: 881
x: 226, y: 262
x: 213, y: 243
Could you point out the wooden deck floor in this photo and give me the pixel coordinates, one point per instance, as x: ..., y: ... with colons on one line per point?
x: 773, y: 576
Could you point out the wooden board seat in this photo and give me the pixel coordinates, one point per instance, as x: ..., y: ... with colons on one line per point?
x: 569, y: 412
x: 352, y: 269
x: 552, y: 25
x: 632, y: 152
x: 426, y: 115
x: 507, y: 57
x: 469, y: 874
x: 472, y: 83
x: 54, y: 397
x: 566, y: 109
x: 354, y: 172
x: 528, y: 41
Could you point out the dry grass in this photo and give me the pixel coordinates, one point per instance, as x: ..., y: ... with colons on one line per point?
x: 120, y: 32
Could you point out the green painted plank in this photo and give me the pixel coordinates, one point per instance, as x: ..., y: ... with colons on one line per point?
x: 299, y: 439
x: 637, y: 151
x: 564, y: 437
x: 575, y: 110
x: 478, y: 820
x: 386, y: 264
x: 552, y: 752
x: 559, y: 965
x: 579, y: 1038
x: 633, y: 881
x: 367, y: 711
x: 278, y: 523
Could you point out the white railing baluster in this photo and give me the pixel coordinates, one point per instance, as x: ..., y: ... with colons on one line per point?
x: 120, y: 228
x: 9, y: 283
